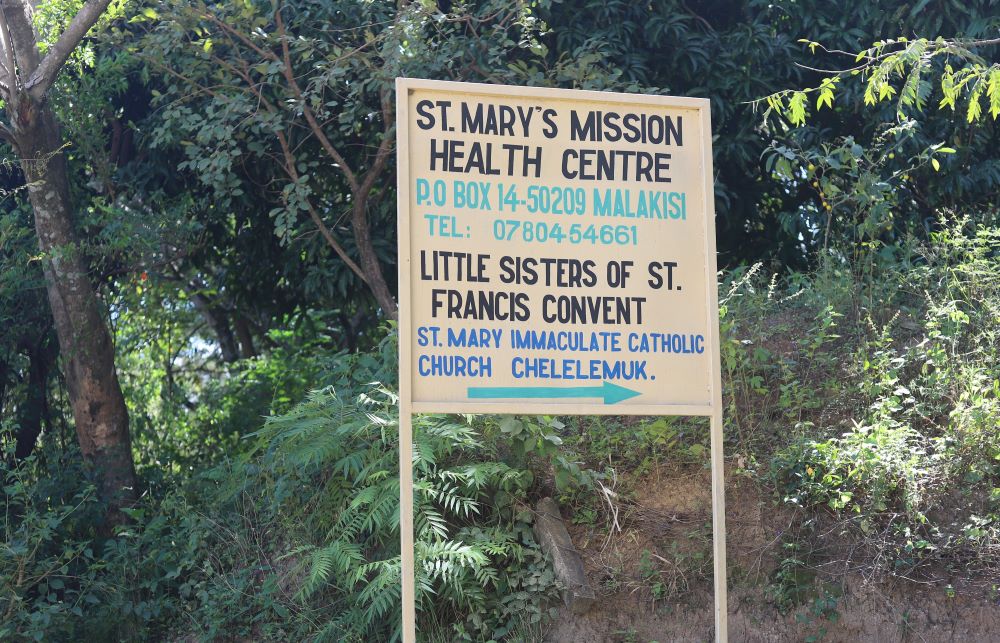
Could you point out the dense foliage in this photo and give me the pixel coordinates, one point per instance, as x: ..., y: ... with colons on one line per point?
x: 298, y: 537
x: 232, y: 170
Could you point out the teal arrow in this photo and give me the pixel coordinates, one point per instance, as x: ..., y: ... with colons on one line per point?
x: 612, y: 393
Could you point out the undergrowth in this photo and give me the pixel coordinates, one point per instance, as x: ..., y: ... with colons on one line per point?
x: 909, y: 469
x: 298, y: 536
x: 866, y: 396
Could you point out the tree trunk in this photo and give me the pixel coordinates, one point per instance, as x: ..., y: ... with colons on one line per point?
x: 218, y: 320
x: 247, y: 349
x: 369, y: 260
x: 35, y: 405
x: 85, y: 343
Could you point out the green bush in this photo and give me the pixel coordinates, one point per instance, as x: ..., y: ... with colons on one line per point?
x: 49, y: 572
x: 331, y: 472
x: 916, y: 473
x: 297, y: 536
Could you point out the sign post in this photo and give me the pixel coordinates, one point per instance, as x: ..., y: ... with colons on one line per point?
x: 556, y: 257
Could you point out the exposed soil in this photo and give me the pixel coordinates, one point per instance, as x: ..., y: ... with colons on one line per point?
x: 653, y: 579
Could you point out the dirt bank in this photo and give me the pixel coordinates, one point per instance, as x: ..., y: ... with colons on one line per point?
x: 653, y: 578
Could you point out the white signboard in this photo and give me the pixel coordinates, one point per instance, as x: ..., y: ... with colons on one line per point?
x: 556, y: 256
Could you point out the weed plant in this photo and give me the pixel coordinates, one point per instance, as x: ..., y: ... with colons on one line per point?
x: 865, y: 396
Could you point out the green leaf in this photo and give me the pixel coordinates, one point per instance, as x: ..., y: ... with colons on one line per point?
x: 993, y: 92
x: 797, y: 108
x: 563, y: 480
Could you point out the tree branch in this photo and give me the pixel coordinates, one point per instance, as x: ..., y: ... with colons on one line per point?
x: 289, y: 75
x: 314, y: 215
x: 19, y: 32
x: 383, y: 153
x: 9, y: 61
x: 352, y: 179
x: 7, y: 134
x: 45, y: 74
